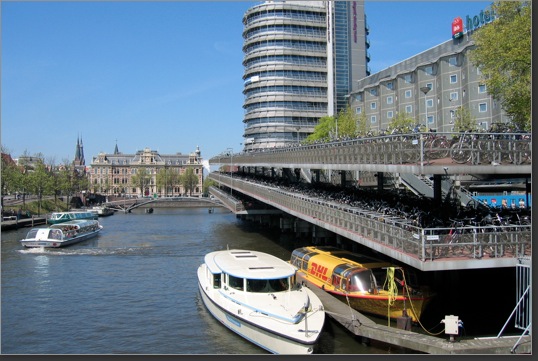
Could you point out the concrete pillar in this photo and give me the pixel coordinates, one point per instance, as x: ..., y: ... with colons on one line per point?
x: 380, y: 181
x: 437, y: 193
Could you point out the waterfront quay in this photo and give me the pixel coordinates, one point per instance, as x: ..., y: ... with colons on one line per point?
x: 361, y: 326
x: 8, y: 224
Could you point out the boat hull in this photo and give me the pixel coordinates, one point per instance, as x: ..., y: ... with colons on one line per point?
x: 269, y: 340
x: 362, y: 282
x: 58, y: 244
x: 379, y: 306
x: 62, y: 235
x: 256, y: 295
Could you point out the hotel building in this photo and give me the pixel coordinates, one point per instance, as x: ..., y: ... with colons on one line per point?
x: 429, y: 87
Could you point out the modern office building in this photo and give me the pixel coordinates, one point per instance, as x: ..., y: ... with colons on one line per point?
x: 429, y: 87
x: 112, y: 174
x: 301, y: 60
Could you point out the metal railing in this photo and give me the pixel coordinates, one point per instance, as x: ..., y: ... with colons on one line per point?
x: 397, y: 234
x: 493, y: 149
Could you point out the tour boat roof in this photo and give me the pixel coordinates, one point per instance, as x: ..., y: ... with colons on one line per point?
x: 248, y: 264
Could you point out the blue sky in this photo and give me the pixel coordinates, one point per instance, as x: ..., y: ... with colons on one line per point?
x: 165, y: 75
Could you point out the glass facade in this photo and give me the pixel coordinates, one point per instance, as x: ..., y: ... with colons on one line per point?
x: 286, y: 67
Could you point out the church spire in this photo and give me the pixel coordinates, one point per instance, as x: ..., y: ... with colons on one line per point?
x: 79, y: 153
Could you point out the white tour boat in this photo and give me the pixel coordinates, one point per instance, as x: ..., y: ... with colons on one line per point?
x: 60, y: 217
x: 62, y: 234
x: 256, y: 295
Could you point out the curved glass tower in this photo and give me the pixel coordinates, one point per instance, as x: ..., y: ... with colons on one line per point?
x: 294, y: 70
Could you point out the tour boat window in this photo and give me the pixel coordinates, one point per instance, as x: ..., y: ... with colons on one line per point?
x: 361, y: 281
x: 216, y: 280
x: 235, y: 282
x: 279, y: 284
x: 256, y: 285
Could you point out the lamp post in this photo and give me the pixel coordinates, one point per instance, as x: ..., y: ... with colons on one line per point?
x: 230, y: 153
x: 425, y: 90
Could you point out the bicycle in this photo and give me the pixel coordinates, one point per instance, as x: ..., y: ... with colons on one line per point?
x: 462, y: 150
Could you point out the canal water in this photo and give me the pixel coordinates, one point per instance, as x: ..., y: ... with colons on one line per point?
x: 133, y: 289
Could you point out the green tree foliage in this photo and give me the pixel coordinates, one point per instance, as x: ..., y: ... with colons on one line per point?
x: 402, y: 122
x: 208, y: 183
x: 363, y: 126
x: 464, y: 121
x: 167, y: 179
x: 503, y: 54
x: 347, y: 123
x: 189, y: 180
x: 323, y: 130
x: 40, y: 182
x: 141, y: 179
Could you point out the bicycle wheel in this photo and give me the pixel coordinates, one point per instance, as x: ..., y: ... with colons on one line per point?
x: 441, y: 148
x: 460, y: 153
x: 520, y: 152
x: 486, y: 150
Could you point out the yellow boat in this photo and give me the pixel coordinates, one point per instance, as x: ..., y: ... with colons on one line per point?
x: 367, y: 284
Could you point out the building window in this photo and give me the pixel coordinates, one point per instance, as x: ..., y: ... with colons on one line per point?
x: 408, y: 93
x: 373, y: 91
x: 481, y: 88
x: 429, y: 70
x: 373, y: 105
x: 358, y: 97
x: 358, y: 110
x: 453, y: 79
x: 429, y: 85
x: 429, y: 103
x: 389, y: 100
x: 430, y: 119
x: 408, y: 78
x: 373, y: 119
x: 408, y: 109
x: 390, y: 114
x: 452, y: 61
x: 452, y: 114
x: 390, y: 85
x: 453, y: 96
x: 482, y: 107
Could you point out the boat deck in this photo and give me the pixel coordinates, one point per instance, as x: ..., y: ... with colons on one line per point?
x: 360, y: 325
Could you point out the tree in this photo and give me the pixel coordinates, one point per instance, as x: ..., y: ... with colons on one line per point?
x: 347, y: 123
x: 40, y: 183
x: 166, y: 179
x: 363, y: 126
x: 189, y: 180
x: 464, y: 121
x: 503, y: 55
x: 141, y: 179
x: 208, y: 183
x: 10, y: 175
x: 402, y: 121
x: 322, y: 130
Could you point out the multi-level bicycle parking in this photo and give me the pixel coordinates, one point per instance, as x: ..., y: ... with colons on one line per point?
x: 416, y: 235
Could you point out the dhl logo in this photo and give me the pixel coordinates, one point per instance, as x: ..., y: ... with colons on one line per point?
x: 318, y: 271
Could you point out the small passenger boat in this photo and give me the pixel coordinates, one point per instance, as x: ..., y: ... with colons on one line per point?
x: 59, y: 217
x: 102, y: 211
x: 256, y: 295
x: 367, y: 284
x: 62, y: 234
